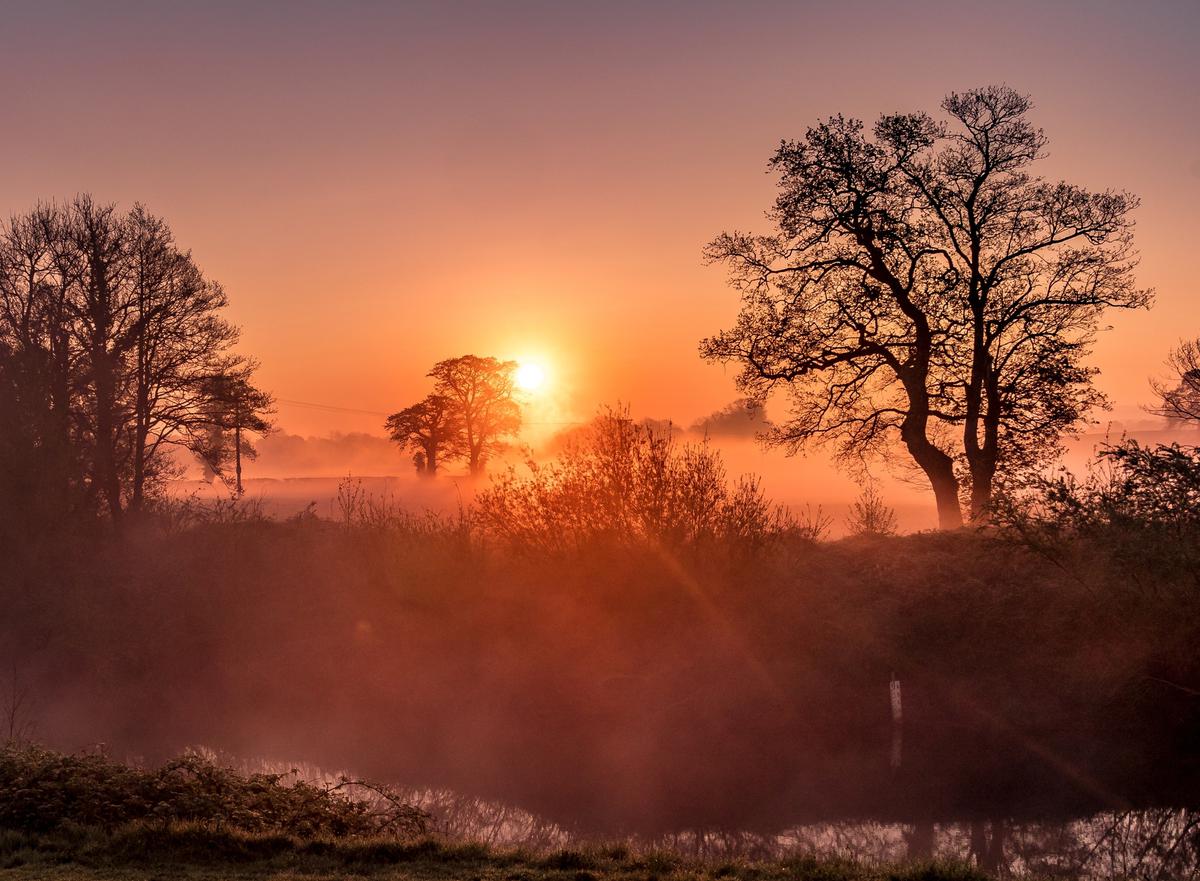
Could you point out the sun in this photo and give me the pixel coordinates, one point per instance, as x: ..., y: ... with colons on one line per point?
x: 530, y: 377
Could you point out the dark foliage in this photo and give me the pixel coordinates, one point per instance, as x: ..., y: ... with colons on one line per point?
x: 1139, y: 507
x: 41, y: 791
x: 634, y: 687
x: 622, y: 483
x: 193, y: 851
x: 923, y: 287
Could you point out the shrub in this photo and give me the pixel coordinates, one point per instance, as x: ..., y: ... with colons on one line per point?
x: 627, y: 483
x: 1140, y: 505
x: 869, y: 516
x: 42, y: 791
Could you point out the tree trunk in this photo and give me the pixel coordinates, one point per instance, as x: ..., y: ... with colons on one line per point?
x: 64, y: 478
x: 945, y: 492
x: 237, y: 459
x: 982, y: 476
x: 137, y: 490
x: 914, y: 431
x: 982, y: 458
x: 939, y: 468
x: 106, y: 464
x: 141, y: 435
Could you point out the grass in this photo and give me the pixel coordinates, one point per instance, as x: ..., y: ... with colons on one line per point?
x: 86, y: 816
x: 192, y: 851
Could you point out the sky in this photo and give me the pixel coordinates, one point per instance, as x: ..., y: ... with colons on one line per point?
x: 382, y: 185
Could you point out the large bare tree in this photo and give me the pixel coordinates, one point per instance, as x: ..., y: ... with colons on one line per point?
x: 1179, y: 395
x: 1037, y: 262
x: 923, y: 285
x: 848, y: 305
x: 111, y: 340
x: 39, y: 365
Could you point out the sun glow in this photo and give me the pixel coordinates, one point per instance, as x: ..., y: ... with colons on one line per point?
x: 530, y: 377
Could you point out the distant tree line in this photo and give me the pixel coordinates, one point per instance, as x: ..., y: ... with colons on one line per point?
x: 113, y: 352
x: 466, y: 418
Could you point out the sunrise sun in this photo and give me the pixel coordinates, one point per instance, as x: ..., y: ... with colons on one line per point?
x: 530, y: 377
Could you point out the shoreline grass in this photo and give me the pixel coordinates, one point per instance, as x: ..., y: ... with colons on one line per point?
x: 194, y: 851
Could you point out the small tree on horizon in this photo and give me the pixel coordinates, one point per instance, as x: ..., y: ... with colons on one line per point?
x: 481, y: 391
x: 237, y: 410
x: 869, y: 516
x: 432, y: 428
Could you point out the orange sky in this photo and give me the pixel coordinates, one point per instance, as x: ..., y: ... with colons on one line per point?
x: 381, y: 186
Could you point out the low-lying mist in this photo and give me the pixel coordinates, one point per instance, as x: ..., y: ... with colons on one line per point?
x: 294, y: 473
x: 627, y: 640
x: 619, y: 689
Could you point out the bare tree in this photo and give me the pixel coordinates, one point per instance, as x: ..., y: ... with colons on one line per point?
x: 848, y: 305
x: 182, y: 368
x: 110, y: 337
x: 433, y: 429
x: 105, y: 325
x: 1179, y: 396
x: 922, y: 284
x: 481, y: 390
x: 1036, y: 264
x: 39, y: 363
x: 16, y: 711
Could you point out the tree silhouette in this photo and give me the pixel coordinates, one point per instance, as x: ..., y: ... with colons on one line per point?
x: 1036, y: 264
x: 481, y: 390
x: 433, y: 429
x: 236, y: 410
x: 181, y: 370
x: 869, y: 515
x: 40, y: 366
x: 1179, y: 396
x: 110, y: 337
x: 923, y: 286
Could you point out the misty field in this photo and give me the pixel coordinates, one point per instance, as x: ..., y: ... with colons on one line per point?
x: 401, y: 415
x: 715, y: 682
x: 624, y: 646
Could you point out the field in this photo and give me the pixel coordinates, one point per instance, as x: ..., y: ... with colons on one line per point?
x: 706, y: 682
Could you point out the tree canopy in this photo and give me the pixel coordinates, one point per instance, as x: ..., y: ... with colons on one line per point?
x: 1179, y: 395
x: 432, y: 429
x: 112, y: 345
x: 923, y: 285
x: 469, y: 416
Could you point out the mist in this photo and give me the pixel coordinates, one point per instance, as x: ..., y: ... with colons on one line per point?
x: 617, y: 692
x: 293, y: 472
